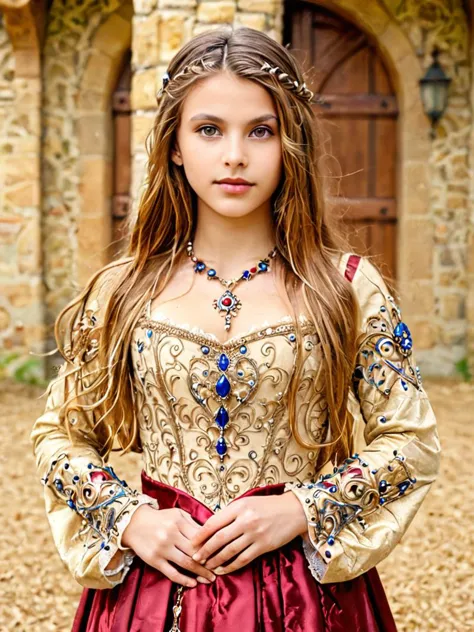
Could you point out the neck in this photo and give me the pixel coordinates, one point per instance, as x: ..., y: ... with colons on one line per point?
x: 233, y: 244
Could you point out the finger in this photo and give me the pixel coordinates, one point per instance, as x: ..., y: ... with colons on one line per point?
x: 185, y: 546
x: 176, y: 576
x: 230, y: 551
x: 183, y: 560
x: 217, y: 541
x: 188, y: 530
x: 247, y: 556
x: 218, y: 521
x: 190, y: 519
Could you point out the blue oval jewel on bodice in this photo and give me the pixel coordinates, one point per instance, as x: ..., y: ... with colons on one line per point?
x: 140, y: 346
x: 222, y: 417
x: 205, y: 349
x: 243, y: 349
x: 403, y: 337
x: 223, y: 386
x: 223, y: 362
x: 149, y: 333
x: 221, y: 446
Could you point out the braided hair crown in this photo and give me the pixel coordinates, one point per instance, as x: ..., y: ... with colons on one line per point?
x: 202, y: 65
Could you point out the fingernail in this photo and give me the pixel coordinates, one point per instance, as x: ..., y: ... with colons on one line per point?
x: 219, y: 570
x: 203, y: 580
x: 196, y: 558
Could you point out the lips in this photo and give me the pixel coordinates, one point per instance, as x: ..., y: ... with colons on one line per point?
x: 234, y: 181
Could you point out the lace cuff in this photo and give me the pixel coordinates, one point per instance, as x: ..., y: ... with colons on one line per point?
x: 106, y: 505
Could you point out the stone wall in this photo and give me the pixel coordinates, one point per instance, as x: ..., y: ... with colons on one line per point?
x: 21, y: 300
x: 70, y: 221
x: 444, y: 24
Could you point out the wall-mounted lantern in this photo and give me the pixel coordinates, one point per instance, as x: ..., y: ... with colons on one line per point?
x: 434, y: 91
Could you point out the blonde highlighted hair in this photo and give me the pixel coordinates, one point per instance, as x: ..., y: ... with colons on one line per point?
x: 307, y: 244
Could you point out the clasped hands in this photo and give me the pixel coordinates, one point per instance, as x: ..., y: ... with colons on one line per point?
x: 246, y: 528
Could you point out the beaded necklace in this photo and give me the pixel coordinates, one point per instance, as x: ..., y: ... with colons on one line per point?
x: 229, y: 304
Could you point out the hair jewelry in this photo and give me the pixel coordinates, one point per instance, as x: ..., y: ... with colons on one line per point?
x: 228, y: 304
x: 284, y: 78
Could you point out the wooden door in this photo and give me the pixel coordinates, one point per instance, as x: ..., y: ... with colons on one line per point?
x: 359, y: 108
x: 121, y: 111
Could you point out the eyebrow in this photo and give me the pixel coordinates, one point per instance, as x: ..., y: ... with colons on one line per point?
x: 217, y: 119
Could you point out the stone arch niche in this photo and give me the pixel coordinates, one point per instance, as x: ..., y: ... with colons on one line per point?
x: 110, y: 51
x: 414, y: 259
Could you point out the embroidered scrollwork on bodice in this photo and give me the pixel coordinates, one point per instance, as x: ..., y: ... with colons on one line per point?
x: 213, y: 416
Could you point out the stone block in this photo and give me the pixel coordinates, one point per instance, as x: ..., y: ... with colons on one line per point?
x: 177, y: 4
x: 256, y: 21
x: 422, y: 332
x: 416, y: 240
x: 95, y: 187
x: 146, y: 49
x: 175, y: 29
x: 258, y: 6
x: 453, y: 306
x: 113, y: 37
x: 144, y: 89
x: 144, y: 7
x: 416, y: 178
x: 216, y: 12
x: 95, y: 134
x: 141, y: 127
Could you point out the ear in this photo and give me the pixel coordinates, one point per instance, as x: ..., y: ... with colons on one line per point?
x: 176, y: 156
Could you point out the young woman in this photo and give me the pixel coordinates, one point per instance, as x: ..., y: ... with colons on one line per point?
x: 264, y: 373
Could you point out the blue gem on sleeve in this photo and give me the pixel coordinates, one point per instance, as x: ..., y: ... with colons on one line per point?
x: 292, y: 337
x: 222, y: 417
x: 205, y: 349
x: 211, y: 273
x: 243, y: 349
x: 221, y: 446
x: 328, y: 554
x: 140, y: 346
x: 223, y: 386
x: 223, y: 362
x: 403, y: 337
x: 383, y: 487
x: 149, y: 333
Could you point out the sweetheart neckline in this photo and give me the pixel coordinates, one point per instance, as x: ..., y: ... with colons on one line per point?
x: 287, y: 321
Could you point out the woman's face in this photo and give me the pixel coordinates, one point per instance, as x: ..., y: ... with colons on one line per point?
x: 229, y: 129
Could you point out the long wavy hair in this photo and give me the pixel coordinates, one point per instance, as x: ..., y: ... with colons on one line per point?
x: 308, y: 245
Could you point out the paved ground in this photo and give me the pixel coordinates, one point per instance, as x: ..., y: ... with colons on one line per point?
x: 429, y: 577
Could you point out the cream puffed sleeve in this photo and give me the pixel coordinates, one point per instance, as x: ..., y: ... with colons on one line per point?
x: 88, y: 506
x: 358, y: 510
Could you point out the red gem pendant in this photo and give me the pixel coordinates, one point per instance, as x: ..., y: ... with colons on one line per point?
x: 228, y: 305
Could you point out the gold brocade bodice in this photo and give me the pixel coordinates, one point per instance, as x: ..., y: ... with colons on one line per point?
x: 213, y: 416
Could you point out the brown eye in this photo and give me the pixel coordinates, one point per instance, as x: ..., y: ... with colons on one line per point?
x: 258, y: 131
x: 208, y: 127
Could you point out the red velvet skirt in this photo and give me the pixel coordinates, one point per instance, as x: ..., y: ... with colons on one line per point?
x: 275, y: 593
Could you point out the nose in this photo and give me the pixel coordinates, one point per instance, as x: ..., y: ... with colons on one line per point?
x: 234, y: 151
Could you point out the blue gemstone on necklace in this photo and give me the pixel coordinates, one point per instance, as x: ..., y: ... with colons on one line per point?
x: 221, y: 446
x: 222, y: 417
x: 200, y: 266
x: 263, y: 267
x: 223, y: 362
x: 223, y: 386
x: 246, y: 275
x: 211, y: 273
x: 205, y: 349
